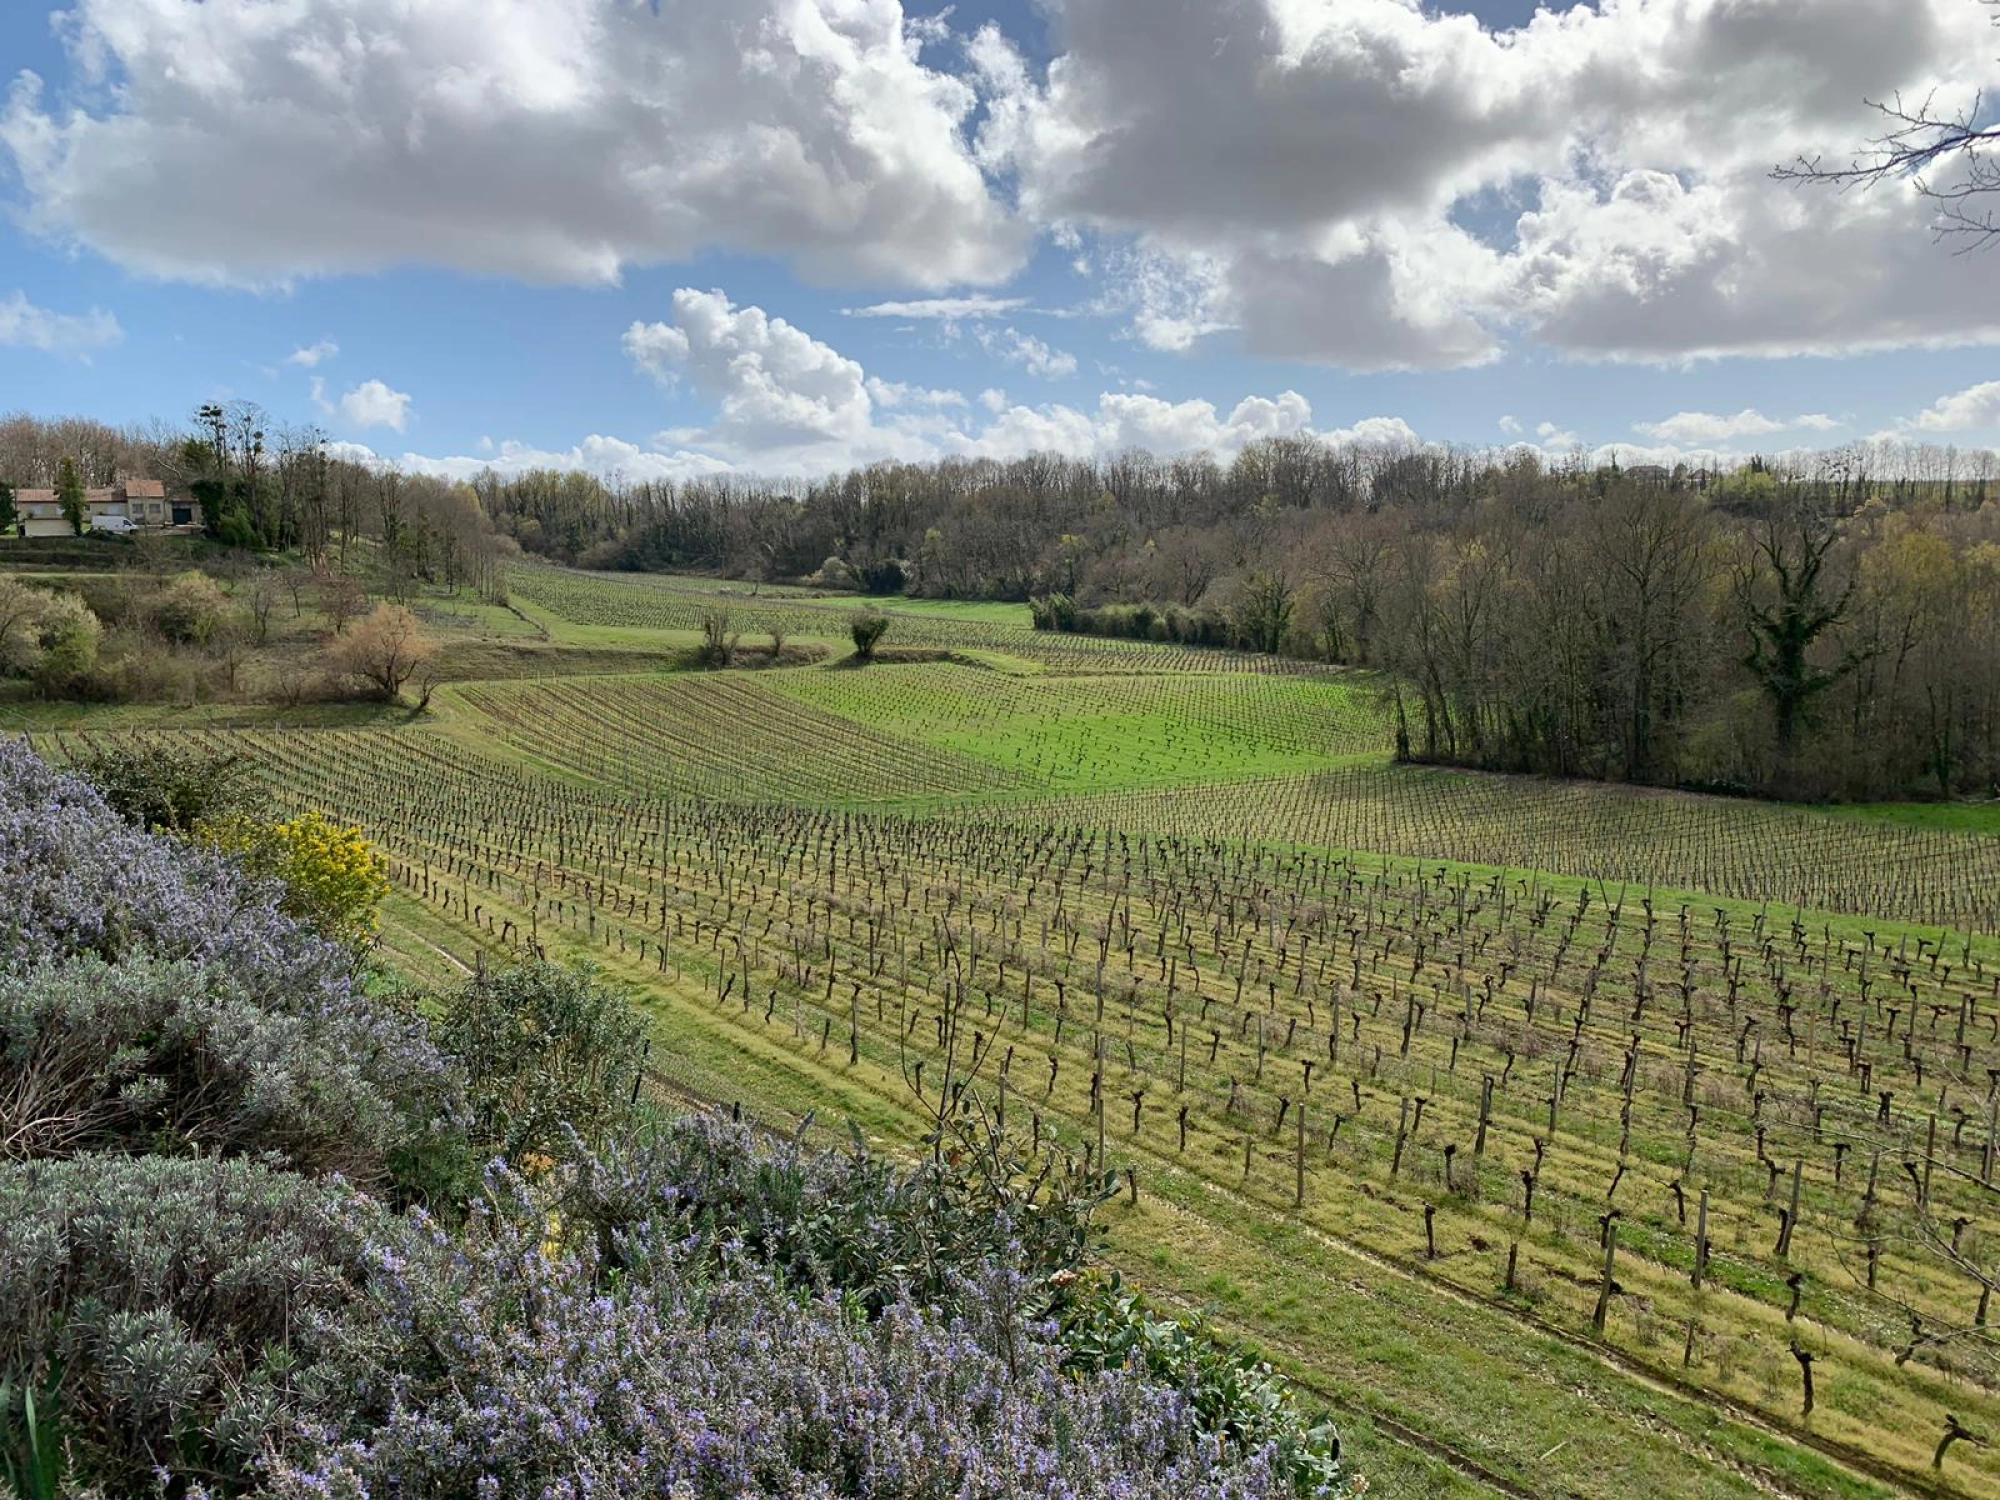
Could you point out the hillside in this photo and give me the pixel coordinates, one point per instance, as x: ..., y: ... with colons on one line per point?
x: 1390, y: 1063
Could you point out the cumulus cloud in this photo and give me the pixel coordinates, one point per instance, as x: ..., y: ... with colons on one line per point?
x: 1705, y: 429
x: 1119, y: 421
x: 785, y: 403
x: 1377, y: 185
x: 782, y: 397
x: 23, y: 325
x: 312, y: 356
x: 609, y: 458
x: 1011, y: 346
x: 1973, y: 408
x: 370, y: 404
x: 553, y: 140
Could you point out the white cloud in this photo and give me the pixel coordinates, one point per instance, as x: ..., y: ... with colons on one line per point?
x: 1510, y: 425
x: 787, y: 404
x: 26, y: 326
x: 312, y: 356
x: 609, y: 458
x: 784, y: 399
x: 949, y: 309
x: 1011, y: 346
x: 370, y: 404
x: 1375, y: 184
x: 889, y: 393
x: 553, y: 140
x: 1973, y: 408
x: 1707, y: 429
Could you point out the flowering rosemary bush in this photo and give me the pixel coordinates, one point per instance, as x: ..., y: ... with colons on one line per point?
x: 509, y: 1359
x: 852, y: 1221
x: 175, y: 1058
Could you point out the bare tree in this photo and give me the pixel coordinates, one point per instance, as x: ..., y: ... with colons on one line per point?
x: 262, y: 598
x: 385, y: 650
x: 1923, y: 143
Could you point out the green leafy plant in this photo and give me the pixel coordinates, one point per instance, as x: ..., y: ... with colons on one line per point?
x: 32, y: 1455
x: 1234, y: 1392
x: 867, y: 627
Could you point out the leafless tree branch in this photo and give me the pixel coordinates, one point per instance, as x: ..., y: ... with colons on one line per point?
x: 1921, y: 144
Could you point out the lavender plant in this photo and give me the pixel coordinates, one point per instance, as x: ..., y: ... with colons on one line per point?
x: 231, y: 1002
x: 171, y: 1315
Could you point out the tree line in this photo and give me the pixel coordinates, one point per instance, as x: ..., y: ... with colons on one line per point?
x: 264, y: 484
x: 1827, y: 627
x: 1820, y: 627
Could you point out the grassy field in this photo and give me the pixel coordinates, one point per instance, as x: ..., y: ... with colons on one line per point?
x: 1395, y: 1057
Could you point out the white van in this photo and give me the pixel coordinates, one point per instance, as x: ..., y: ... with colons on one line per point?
x: 114, y: 525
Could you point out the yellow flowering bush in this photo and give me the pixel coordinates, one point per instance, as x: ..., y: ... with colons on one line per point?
x: 333, y: 876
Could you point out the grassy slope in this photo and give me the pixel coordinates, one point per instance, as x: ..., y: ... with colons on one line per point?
x: 1509, y: 1414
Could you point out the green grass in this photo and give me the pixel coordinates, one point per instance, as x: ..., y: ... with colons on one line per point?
x: 1951, y: 817
x: 905, y: 798
x: 1097, y: 733
x: 979, y: 611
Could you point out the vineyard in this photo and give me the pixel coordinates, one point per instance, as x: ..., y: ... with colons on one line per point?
x: 1626, y: 836
x: 656, y: 602
x: 1571, y: 1139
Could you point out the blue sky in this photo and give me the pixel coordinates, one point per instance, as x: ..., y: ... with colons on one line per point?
x: 524, y: 224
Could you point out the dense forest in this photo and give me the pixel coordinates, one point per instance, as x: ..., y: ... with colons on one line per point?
x: 1824, y: 627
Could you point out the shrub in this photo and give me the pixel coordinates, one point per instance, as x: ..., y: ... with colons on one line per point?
x: 851, y: 1221
x: 165, y: 788
x: 170, y: 1314
x: 1234, y: 1394
x: 68, y: 634
x: 332, y: 876
x: 718, y: 641
x: 82, y: 881
x: 384, y: 650
x: 550, y: 1054
x: 564, y: 1376
x: 886, y: 575
x: 867, y: 627
x: 1053, y: 612
x: 189, y: 609
x: 153, y: 1055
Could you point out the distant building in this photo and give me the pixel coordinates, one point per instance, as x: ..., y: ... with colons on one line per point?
x: 1649, y: 474
x: 131, y: 505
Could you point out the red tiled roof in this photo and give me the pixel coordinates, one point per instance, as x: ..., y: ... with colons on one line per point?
x: 35, y: 497
x: 145, y: 489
